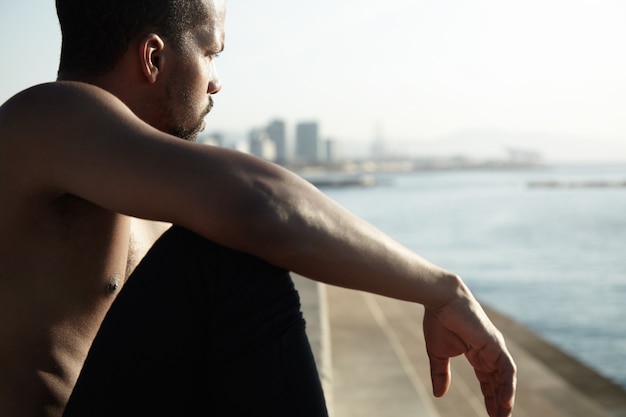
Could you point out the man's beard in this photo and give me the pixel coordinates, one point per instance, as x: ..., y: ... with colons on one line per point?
x: 191, y: 133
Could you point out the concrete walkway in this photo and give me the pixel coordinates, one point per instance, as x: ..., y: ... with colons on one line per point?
x: 374, y: 363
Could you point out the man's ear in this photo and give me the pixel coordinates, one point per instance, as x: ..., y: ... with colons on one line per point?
x: 152, y: 56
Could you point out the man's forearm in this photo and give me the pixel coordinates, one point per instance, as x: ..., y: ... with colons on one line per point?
x: 297, y: 227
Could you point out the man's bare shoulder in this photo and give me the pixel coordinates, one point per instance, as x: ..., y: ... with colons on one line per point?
x: 56, y: 127
x: 27, y: 108
x: 59, y: 89
x: 41, y: 94
x: 75, y: 139
x: 44, y: 113
x: 36, y: 122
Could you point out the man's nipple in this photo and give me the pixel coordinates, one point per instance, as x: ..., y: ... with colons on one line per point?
x: 114, y: 284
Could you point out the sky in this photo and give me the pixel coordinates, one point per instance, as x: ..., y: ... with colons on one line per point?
x: 425, y: 76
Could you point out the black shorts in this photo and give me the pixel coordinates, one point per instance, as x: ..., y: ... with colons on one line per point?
x: 200, y: 329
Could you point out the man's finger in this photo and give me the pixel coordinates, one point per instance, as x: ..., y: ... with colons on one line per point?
x: 498, y: 392
x: 440, y: 375
x: 508, y: 382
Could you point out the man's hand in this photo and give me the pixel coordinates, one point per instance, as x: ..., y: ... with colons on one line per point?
x: 462, y: 327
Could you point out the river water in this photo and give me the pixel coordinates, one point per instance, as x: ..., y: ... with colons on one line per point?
x: 551, y: 257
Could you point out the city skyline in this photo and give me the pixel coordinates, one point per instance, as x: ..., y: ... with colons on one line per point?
x: 306, y: 145
x: 545, y: 75
x: 477, y: 145
x: 273, y: 142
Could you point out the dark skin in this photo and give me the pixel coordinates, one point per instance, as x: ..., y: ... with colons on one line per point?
x: 72, y: 194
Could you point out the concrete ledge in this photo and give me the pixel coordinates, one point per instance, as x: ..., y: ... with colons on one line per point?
x: 604, y: 392
x: 552, y: 383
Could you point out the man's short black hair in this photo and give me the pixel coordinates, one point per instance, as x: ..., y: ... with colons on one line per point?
x: 96, y: 33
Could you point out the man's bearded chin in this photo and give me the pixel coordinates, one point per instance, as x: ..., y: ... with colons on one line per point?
x: 191, y: 134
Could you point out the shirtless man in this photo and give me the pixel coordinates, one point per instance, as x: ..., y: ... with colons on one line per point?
x: 83, y: 158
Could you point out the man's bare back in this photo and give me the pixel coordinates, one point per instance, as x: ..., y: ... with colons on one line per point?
x: 62, y: 262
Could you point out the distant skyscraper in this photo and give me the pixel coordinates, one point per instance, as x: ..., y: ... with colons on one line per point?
x: 261, y: 145
x: 307, y: 142
x: 276, y: 132
x: 331, y: 154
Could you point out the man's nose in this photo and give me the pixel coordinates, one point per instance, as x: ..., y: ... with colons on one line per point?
x: 215, y: 86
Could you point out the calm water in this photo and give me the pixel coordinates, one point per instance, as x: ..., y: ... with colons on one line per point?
x: 552, y: 258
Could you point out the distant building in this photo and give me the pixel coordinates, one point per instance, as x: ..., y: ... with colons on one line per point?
x: 331, y: 153
x: 307, y: 142
x: 276, y: 132
x: 261, y: 145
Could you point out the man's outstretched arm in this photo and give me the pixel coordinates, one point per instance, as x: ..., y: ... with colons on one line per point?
x: 89, y: 144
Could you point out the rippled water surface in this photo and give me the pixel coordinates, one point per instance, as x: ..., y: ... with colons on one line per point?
x: 553, y: 258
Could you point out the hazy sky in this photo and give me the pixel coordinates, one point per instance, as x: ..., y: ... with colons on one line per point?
x: 544, y: 74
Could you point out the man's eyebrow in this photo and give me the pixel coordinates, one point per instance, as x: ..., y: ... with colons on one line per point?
x: 216, y: 50
x: 211, y: 43
x: 216, y: 47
